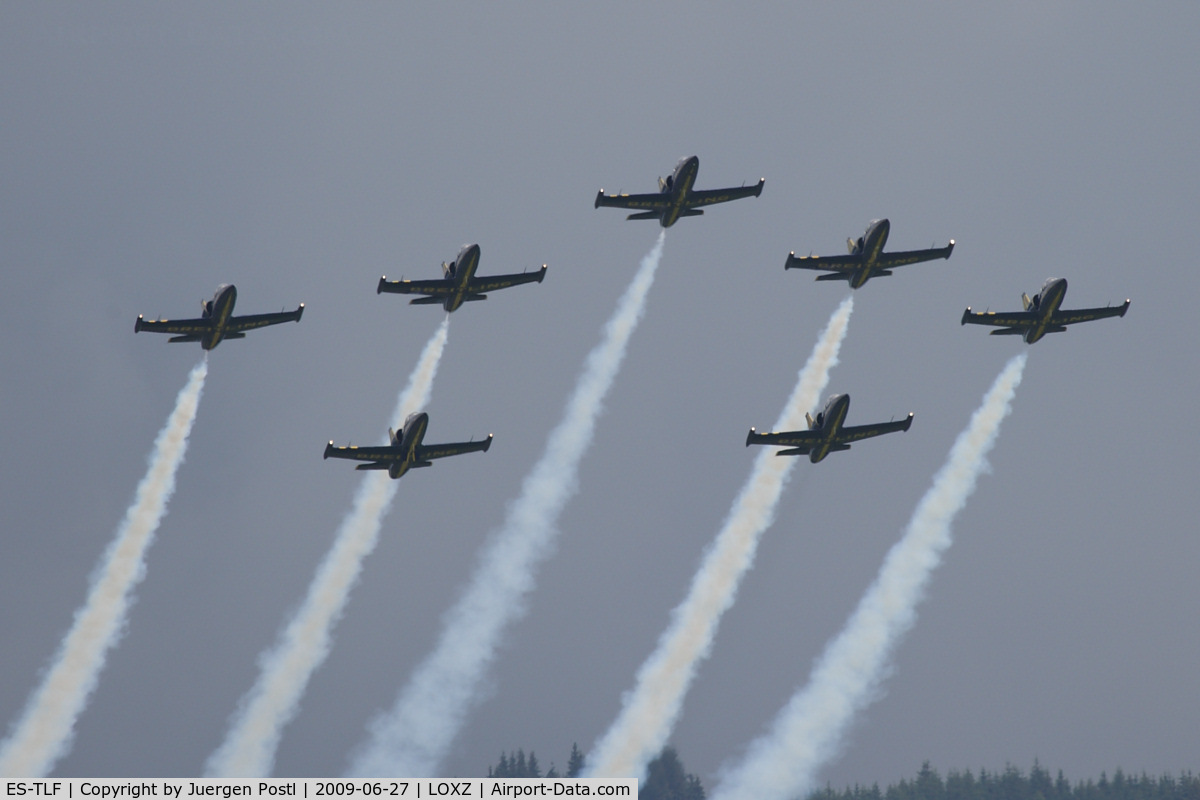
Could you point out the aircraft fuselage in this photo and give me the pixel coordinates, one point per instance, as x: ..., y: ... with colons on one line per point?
x: 679, y: 186
x: 409, y: 438
x: 219, y: 310
x: 464, y: 270
x: 830, y: 422
x: 872, y: 245
x: 1045, y: 303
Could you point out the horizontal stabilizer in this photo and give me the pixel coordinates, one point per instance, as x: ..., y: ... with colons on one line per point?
x: 237, y: 335
x: 692, y: 212
x: 1057, y: 329
x: 422, y: 464
x: 425, y: 301
x: 1009, y: 332
x: 645, y: 215
x: 190, y: 337
x: 795, y: 451
x: 476, y: 297
x: 834, y: 276
x: 374, y: 465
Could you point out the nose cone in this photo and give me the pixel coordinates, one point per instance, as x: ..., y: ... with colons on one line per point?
x: 468, y: 251
x: 879, y: 226
x: 227, y: 290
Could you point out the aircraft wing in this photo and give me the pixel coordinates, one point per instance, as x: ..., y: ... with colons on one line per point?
x: 427, y: 452
x: 827, y: 263
x: 251, y: 321
x: 899, y: 258
x: 184, y: 327
x: 1085, y: 314
x: 494, y: 282
x: 383, y: 453
x: 1019, y: 320
x: 802, y: 441
x: 854, y: 433
x: 708, y: 197
x: 653, y: 202
x: 436, y: 287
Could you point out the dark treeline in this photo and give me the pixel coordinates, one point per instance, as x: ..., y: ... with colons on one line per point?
x: 1012, y: 784
x: 665, y: 778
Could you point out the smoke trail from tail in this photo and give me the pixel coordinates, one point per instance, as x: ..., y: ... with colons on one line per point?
x: 43, y: 733
x: 650, y: 709
x: 413, y: 737
x: 253, y: 738
x: 809, y: 729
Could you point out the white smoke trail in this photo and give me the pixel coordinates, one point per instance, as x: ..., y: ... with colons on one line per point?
x: 43, y: 733
x: 249, y: 747
x: 649, y: 711
x: 809, y: 729
x: 413, y: 737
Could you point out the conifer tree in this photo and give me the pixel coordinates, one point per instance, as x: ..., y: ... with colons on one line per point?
x: 575, y: 762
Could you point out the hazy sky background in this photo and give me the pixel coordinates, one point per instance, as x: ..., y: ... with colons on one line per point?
x: 151, y: 152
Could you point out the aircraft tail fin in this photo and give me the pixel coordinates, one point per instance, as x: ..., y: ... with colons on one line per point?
x: 812, y: 423
x: 1025, y: 301
x: 644, y: 215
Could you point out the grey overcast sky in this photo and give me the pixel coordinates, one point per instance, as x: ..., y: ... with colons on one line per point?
x: 152, y: 151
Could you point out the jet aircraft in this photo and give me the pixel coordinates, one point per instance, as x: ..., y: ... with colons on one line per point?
x: 1041, y: 314
x: 866, y: 259
x: 460, y: 283
x: 676, y: 198
x: 826, y: 433
x: 406, y: 450
x: 216, y: 321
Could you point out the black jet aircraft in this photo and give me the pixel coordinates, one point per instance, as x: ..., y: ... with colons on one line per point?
x: 460, y: 283
x: 1041, y: 314
x: 216, y: 321
x: 826, y: 433
x: 866, y: 259
x: 405, y: 451
x: 676, y: 198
